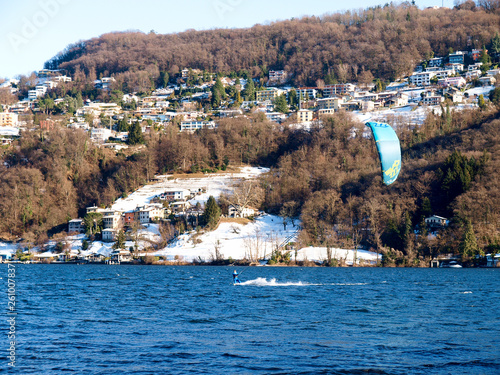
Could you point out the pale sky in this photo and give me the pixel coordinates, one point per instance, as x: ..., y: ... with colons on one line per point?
x: 33, y: 31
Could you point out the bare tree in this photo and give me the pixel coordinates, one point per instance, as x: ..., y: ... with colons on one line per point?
x: 342, y: 72
x: 217, y: 256
x: 247, y: 193
x: 254, y: 246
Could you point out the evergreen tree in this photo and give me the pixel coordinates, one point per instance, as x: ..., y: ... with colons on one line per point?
x: 495, y: 44
x: 218, y: 93
x: 212, y: 213
x: 164, y: 79
x: 93, y: 223
x: 120, y: 240
x: 280, y: 104
x: 379, y: 85
x: 495, y: 96
x: 468, y: 246
x: 249, y: 91
x: 216, y: 99
x: 426, y: 207
x: 485, y: 58
x: 237, y: 97
x: 79, y: 100
x: 480, y: 102
x: 407, y: 233
x: 135, y: 134
x: 292, y: 99
x: 123, y: 125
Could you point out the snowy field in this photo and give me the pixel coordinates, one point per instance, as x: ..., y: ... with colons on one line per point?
x: 320, y: 254
x: 213, y: 184
x: 254, y: 240
x: 410, y: 114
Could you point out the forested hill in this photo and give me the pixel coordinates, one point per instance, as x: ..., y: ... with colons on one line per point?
x: 384, y: 42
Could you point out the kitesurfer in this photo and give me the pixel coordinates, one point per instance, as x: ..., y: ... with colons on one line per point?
x: 235, y: 277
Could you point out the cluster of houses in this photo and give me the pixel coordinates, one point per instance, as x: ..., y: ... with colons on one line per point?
x: 184, y: 105
x: 452, y: 71
x: 169, y: 202
x: 116, y: 220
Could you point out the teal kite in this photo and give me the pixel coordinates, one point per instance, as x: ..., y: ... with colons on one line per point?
x: 389, y: 150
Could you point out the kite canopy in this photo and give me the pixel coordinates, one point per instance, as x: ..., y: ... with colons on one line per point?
x: 389, y: 150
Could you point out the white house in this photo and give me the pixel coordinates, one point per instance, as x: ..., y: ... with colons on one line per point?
x: 8, y: 119
x: 431, y: 98
x: 76, y: 225
x: 104, y: 83
x: 422, y: 79
x: 304, y: 115
x: 39, y: 90
x: 191, y: 126
x: 120, y: 255
x: 230, y: 113
x: 279, y: 76
x: 112, y: 219
x: 487, y: 80
x: 275, y: 116
x: 338, y: 89
x: 175, y: 194
x: 151, y: 212
x: 436, y: 61
x: 100, y: 135
x: 472, y: 74
x: 331, y: 103
x: 435, y: 221
x: 239, y: 211
x: 476, y: 66
x: 452, y: 81
x: 108, y: 235
x: 307, y: 92
x: 493, y: 72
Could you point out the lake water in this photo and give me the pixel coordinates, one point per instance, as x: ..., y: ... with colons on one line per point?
x: 96, y: 319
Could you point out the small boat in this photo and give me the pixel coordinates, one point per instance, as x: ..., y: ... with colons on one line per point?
x: 451, y: 264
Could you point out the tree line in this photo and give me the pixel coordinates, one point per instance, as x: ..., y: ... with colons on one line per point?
x: 383, y: 41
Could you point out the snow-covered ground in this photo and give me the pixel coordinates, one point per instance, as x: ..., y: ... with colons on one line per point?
x: 213, y: 184
x: 410, y: 114
x: 482, y: 90
x: 253, y: 240
x: 320, y: 254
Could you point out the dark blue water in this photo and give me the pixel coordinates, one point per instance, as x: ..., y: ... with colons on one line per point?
x: 192, y: 320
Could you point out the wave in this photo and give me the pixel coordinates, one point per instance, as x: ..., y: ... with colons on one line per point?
x: 260, y: 281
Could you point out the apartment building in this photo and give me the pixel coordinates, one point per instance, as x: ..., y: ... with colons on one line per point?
x: 422, y: 79
x: 338, y: 89
x: 8, y: 119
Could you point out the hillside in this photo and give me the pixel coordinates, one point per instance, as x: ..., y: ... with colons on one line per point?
x: 383, y: 42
